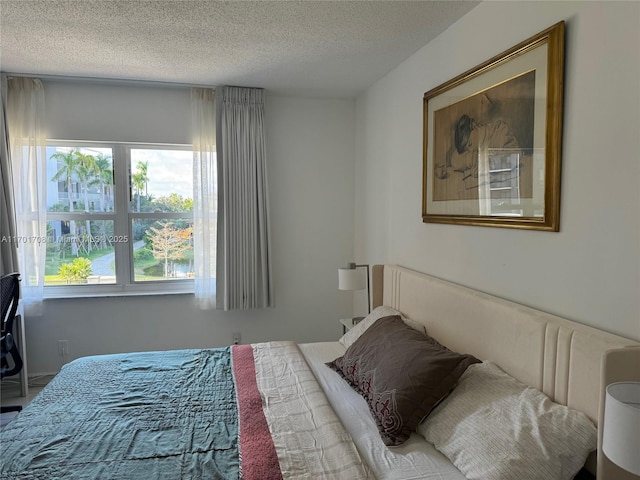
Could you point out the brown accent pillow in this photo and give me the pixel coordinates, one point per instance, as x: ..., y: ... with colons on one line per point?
x: 401, y: 373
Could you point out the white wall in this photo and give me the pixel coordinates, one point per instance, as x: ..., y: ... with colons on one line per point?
x: 310, y: 147
x: 590, y: 270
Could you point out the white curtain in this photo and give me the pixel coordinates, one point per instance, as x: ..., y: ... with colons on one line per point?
x: 27, y: 140
x: 205, y: 196
x: 8, y: 251
x: 244, y: 258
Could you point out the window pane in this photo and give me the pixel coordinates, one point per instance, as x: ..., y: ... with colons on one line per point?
x: 79, y: 179
x: 161, y: 180
x: 84, y: 227
x: 80, y: 252
x: 163, y: 249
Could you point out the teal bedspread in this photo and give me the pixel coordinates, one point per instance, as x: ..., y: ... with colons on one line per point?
x: 158, y: 415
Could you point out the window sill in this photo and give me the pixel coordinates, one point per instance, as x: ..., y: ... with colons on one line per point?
x: 90, y: 291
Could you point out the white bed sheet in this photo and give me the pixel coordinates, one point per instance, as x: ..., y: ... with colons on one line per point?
x: 413, y: 460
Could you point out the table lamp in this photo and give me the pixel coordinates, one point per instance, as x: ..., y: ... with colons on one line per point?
x: 350, y: 278
x: 621, y: 429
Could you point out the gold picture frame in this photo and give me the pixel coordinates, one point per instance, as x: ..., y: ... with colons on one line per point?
x: 492, y: 140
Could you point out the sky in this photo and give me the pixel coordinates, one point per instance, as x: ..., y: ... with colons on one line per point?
x: 169, y: 171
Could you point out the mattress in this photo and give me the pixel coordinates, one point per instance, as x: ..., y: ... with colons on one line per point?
x: 413, y: 460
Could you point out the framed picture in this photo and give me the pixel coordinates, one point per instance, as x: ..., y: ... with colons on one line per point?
x: 492, y: 140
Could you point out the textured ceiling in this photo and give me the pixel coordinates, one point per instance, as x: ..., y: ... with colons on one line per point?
x: 314, y: 48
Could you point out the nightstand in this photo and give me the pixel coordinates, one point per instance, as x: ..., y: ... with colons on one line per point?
x: 346, y: 324
x: 349, y: 323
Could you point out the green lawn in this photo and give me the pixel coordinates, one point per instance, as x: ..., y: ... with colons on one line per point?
x: 147, y: 268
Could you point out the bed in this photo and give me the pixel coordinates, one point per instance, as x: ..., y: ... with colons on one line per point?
x: 284, y: 410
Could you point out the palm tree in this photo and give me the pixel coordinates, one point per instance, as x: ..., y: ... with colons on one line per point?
x: 87, y: 170
x: 143, y: 167
x: 104, y: 179
x: 140, y: 181
x: 69, y: 168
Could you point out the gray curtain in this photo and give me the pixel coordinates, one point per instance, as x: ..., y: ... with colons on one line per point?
x: 243, y: 278
x: 8, y: 251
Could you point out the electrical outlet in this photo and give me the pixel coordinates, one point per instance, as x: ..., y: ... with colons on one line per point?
x: 63, y: 348
x: 236, y: 338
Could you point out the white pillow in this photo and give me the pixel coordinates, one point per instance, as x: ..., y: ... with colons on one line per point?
x: 382, y: 311
x: 492, y: 427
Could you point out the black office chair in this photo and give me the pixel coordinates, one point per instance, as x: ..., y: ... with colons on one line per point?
x: 10, y: 294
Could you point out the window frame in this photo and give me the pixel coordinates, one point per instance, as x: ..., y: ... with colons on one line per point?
x: 122, y: 216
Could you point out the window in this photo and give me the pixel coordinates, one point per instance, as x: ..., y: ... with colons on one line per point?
x: 119, y: 219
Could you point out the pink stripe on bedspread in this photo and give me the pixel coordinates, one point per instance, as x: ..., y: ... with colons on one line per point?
x: 258, y: 456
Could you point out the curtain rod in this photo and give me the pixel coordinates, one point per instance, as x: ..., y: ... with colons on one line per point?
x: 115, y: 81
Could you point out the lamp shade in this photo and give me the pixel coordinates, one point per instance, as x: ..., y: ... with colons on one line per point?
x: 351, y: 279
x: 621, y: 431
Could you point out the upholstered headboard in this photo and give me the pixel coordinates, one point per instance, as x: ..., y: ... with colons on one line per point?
x: 562, y: 358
